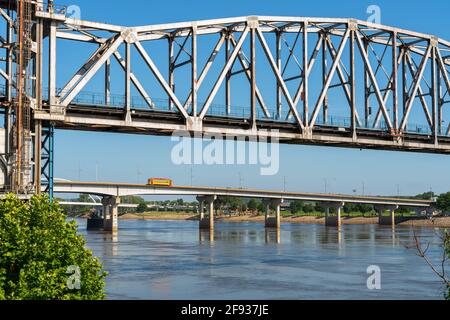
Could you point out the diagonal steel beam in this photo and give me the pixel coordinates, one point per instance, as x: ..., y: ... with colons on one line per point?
x: 387, y: 92
x: 329, y: 78
x: 92, y: 71
x: 206, y: 68
x: 444, y: 70
x: 374, y: 81
x: 85, y: 67
x: 279, y: 77
x: 415, y: 87
x: 246, y: 69
x: 341, y: 75
x: 224, y: 72
x: 160, y: 78
x: 424, y: 103
x: 312, y: 60
x: 135, y: 81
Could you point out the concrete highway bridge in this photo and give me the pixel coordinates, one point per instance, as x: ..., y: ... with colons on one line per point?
x: 112, y: 192
x: 338, y: 82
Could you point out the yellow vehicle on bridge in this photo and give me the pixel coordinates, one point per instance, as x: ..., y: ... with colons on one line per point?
x: 161, y: 182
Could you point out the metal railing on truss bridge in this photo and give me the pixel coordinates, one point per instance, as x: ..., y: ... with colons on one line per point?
x: 89, y: 98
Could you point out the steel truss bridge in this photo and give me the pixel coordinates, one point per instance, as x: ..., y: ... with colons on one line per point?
x: 316, y: 81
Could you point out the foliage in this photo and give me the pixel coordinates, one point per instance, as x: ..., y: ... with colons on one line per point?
x: 308, y: 208
x: 295, y: 206
x: 37, y: 249
x: 425, y: 196
x: 403, y: 210
x: 356, y: 207
x: 132, y: 200
x: 443, y: 202
x: 142, y: 207
x: 252, y: 205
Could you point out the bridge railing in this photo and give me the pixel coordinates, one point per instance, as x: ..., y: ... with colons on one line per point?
x: 117, y: 101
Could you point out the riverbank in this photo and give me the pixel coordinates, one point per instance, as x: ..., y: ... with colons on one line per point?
x: 440, y: 222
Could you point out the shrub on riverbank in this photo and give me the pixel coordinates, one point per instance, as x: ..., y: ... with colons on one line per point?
x: 41, y: 255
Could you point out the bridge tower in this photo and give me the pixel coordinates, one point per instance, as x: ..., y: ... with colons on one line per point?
x: 26, y: 154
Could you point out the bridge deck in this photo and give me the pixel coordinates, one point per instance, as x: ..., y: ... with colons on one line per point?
x: 124, y: 189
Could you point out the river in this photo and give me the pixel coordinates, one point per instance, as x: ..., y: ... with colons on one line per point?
x: 173, y: 260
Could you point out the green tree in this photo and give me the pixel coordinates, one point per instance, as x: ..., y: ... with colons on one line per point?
x: 425, y: 196
x: 38, y: 248
x: 295, y: 206
x: 308, y: 208
x: 252, y: 205
x: 142, y: 207
x: 443, y: 202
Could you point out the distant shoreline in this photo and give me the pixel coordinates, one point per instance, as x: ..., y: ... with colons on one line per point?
x: 440, y: 222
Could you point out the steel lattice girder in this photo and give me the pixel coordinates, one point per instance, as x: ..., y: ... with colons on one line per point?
x: 338, y: 49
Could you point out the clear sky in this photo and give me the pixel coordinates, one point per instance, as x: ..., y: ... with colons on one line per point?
x: 132, y: 158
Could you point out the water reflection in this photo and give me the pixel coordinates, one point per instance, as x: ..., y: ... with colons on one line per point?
x: 206, y: 236
x: 174, y: 260
x: 272, y: 235
x: 110, y: 242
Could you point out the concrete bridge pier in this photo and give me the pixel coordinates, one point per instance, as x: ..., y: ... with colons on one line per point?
x: 273, y: 222
x: 333, y: 221
x: 208, y: 222
x: 111, y: 214
x: 386, y: 220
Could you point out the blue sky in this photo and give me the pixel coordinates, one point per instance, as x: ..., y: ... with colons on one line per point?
x: 132, y: 158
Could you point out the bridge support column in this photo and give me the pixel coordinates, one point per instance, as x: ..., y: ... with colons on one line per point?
x: 111, y: 214
x: 386, y: 220
x: 273, y: 222
x: 333, y: 221
x: 208, y: 222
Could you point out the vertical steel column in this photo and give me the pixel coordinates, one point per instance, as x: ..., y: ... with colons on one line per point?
x: 171, y: 70
x: 305, y: 75
x: 128, y: 81
x: 108, y: 82
x: 48, y: 159
x: 353, y: 80
x: 52, y: 66
x: 434, y: 90
x: 253, y: 76
x: 278, y: 57
x: 51, y: 160
x: 38, y: 156
x: 38, y: 65
x: 394, y: 87
x: 367, y: 109
x: 324, y: 76
x: 9, y: 98
x: 440, y: 99
x: 194, y: 79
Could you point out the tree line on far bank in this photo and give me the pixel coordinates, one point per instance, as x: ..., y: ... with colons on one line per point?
x: 227, y: 204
